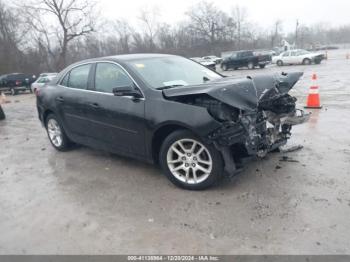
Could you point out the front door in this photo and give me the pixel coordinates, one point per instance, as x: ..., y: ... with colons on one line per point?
x: 286, y: 58
x: 117, y: 122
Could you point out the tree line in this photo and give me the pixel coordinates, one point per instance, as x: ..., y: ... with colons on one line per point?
x: 46, y: 35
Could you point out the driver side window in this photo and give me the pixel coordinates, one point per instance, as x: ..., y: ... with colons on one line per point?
x: 109, y: 76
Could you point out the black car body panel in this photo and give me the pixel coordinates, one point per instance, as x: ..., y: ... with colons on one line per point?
x: 237, y: 92
x: 230, y: 113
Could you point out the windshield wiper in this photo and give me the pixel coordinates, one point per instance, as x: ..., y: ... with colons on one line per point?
x: 167, y: 87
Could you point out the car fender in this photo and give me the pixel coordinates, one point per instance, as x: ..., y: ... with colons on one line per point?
x: 194, y: 118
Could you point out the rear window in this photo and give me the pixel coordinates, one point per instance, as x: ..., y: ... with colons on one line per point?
x: 77, y: 78
x: 16, y: 77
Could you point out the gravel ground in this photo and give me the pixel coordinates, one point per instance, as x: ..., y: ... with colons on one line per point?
x: 91, y: 202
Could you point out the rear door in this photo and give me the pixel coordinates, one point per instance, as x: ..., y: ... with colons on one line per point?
x: 70, y: 101
x: 115, y: 121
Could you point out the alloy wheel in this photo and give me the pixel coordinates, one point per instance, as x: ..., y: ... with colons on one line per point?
x: 55, y: 132
x: 189, y: 161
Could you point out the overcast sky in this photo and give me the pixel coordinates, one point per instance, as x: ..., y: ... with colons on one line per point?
x: 262, y: 12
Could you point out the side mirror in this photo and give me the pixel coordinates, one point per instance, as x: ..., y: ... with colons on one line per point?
x: 127, y: 91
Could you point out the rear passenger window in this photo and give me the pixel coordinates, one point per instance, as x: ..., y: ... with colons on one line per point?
x: 64, y: 81
x: 78, y: 77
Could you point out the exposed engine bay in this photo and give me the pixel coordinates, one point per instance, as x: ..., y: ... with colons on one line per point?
x: 256, y: 113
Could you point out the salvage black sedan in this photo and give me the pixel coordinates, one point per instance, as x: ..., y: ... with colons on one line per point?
x: 197, y: 124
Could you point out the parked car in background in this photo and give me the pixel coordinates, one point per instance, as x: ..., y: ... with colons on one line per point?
x: 16, y: 82
x: 298, y: 57
x: 196, y: 59
x: 209, y: 64
x: 248, y: 59
x: 47, y: 74
x: 212, y: 58
x: 42, y: 80
x: 195, y: 123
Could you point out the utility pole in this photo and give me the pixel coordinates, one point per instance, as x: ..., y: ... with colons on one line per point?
x: 296, y: 33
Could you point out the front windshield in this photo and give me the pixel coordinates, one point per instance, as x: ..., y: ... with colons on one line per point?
x: 172, y: 71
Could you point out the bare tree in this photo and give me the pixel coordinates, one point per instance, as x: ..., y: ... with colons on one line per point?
x: 149, y: 19
x: 12, y: 33
x: 124, y: 30
x: 207, y: 22
x: 239, y: 16
x: 58, y: 32
x: 71, y: 19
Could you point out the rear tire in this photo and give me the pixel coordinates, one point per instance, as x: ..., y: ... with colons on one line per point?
x: 280, y: 63
x: 56, y: 134
x: 2, y: 114
x: 190, y: 163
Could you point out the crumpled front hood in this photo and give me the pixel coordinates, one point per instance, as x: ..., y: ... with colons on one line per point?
x: 242, y: 93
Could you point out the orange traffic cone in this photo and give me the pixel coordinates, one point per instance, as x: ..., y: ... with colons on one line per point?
x: 313, y: 100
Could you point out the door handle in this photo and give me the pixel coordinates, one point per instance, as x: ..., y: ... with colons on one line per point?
x: 60, y: 99
x: 95, y: 105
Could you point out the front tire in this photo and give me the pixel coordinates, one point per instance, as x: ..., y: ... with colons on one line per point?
x: 306, y: 61
x: 56, y: 134
x: 190, y: 163
x: 262, y: 66
x: 280, y: 63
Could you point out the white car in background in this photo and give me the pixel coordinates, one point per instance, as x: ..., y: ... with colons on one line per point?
x: 42, y: 80
x: 298, y: 57
x: 212, y: 58
x: 209, y: 64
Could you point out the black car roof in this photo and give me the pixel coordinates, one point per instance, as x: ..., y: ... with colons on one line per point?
x: 124, y: 58
x: 135, y: 56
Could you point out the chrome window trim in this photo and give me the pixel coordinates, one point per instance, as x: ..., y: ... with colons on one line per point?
x: 94, y: 91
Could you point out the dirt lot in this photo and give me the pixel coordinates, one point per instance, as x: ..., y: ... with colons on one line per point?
x: 90, y: 202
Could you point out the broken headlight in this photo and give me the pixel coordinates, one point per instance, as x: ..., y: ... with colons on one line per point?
x: 218, y: 110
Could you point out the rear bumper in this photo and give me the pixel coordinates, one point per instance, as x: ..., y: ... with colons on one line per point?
x: 264, y: 62
x: 40, y: 110
x: 319, y: 58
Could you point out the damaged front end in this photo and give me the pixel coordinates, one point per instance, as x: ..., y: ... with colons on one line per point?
x: 256, y: 113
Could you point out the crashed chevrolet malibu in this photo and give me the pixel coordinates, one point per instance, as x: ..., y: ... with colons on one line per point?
x: 197, y: 124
